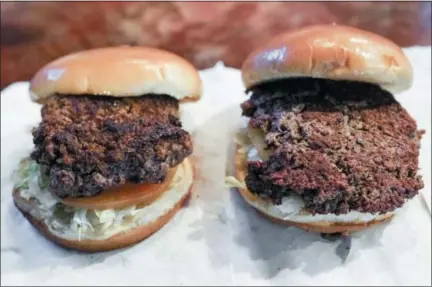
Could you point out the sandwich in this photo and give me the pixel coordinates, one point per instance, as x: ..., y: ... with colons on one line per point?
x: 325, y: 146
x: 110, y: 163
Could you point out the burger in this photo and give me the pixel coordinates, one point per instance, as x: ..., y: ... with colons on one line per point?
x: 326, y: 147
x: 110, y: 161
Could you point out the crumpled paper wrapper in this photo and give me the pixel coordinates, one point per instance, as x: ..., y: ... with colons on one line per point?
x: 217, y: 239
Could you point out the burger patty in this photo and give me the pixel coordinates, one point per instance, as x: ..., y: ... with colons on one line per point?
x: 86, y: 144
x: 340, y: 145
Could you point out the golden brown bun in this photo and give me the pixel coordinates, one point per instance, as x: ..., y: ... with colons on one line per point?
x: 316, y: 226
x: 118, y: 72
x: 330, y: 52
x: 116, y: 241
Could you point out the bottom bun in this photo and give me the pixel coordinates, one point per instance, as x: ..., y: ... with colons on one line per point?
x: 119, y: 240
x: 301, y: 219
x: 326, y: 226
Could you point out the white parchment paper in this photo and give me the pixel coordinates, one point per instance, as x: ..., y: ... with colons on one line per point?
x: 217, y: 238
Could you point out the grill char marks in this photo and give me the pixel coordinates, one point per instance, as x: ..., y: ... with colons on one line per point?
x: 341, y: 145
x: 86, y: 144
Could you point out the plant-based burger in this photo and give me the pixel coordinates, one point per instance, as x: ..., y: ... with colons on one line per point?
x: 327, y: 148
x: 110, y: 161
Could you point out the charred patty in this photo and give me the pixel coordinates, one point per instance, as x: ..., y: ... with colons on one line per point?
x: 88, y: 144
x: 340, y: 145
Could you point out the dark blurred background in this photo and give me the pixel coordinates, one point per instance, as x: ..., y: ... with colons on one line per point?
x: 34, y: 33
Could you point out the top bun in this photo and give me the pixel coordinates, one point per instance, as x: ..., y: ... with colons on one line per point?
x: 330, y: 52
x: 118, y: 72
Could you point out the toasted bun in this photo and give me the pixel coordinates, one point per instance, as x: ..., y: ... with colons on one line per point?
x: 264, y: 206
x: 330, y: 52
x: 119, y: 240
x: 118, y: 72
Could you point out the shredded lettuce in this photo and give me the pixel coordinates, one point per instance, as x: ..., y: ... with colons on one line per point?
x: 80, y: 221
x: 34, y: 185
x: 27, y: 169
x: 43, y: 181
x: 77, y: 223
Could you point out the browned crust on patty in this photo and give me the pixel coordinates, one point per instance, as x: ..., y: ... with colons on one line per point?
x: 341, y: 146
x: 320, y: 226
x: 89, y: 144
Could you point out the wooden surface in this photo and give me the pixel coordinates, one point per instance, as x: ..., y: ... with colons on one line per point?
x: 33, y: 34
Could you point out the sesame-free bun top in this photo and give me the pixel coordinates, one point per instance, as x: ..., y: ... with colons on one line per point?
x: 330, y: 52
x: 122, y: 71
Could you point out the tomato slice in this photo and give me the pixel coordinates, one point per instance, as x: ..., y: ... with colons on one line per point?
x: 123, y: 196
